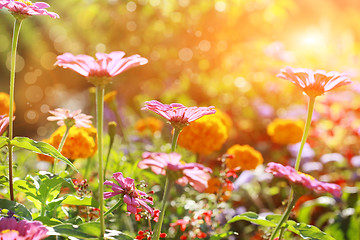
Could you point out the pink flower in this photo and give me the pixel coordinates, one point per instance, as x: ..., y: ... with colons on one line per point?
x: 303, y: 179
x: 27, y: 8
x: 4, y: 123
x: 132, y: 197
x: 197, y: 175
x: 314, y: 83
x: 178, y: 115
x: 66, y: 117
x: 11, y: 229
x: 100, y: 71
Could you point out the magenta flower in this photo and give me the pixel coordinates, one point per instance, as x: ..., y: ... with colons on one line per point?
x: 132, y: 196
x: 4, y: 123
x: 27, y: 8
x: 314, y: 83
x: 302, y: 179
x: 66, y: 117
x: 195, y: 174
x: 177, y: 114
x: 100, y: 71
x: 11, y: 229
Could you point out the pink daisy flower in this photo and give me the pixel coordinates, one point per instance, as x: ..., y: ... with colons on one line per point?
x: 27, y: 8
x: 314, y: 83
x: 11, y: 229
x: 302, y: 179
x: 4, y: 123
x: 195, y: 174
x: 101, y: 70
x: 177, y: 114
x: 66, y: 117
x: 132, y: 196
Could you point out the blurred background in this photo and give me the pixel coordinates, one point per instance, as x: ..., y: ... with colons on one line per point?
x: 224, y: 53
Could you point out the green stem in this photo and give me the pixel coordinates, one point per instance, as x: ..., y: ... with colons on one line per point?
x: 108, y: 155
x: 168, y: 185
x: 175, y: 138
x: 15, y: 38
x: 306, y: 131
x: 118, y: 204
x: 100, y: 115
x: 62, y: 142
x: 284, y: 217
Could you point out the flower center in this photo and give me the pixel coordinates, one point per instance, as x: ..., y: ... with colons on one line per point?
x: 29, y: 3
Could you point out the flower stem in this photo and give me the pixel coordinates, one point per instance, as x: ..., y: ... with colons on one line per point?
x: 62, y: 142
x: 175, y: 138
x: 168, y: 185
x: 284, y: 217
x: 15, y: 38
x: 100, y: 115
x: 306, y: 131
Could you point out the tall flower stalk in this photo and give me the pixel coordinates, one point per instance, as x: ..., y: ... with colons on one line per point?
x: 313, y: 84
x: 100, y: 72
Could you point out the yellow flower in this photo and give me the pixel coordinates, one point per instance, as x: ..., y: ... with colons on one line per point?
x: 4, y: 103
x: 225, y: 118
x: 285, y: 131
x: 80, y: 143
x: 110, y: 97
x: 244, y: 157
x: 149, y: 123
x: 204, y: 135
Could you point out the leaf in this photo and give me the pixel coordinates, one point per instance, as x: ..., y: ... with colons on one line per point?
x: 255, y: 218
x: 48, y: 221
x: 18, y: 208
x: 82, y: 231
x: 222, y: 235
x: 3, y: 141
x: 307, y: 231
x: 40, y: 147
x: 86, y: 201
x: 3, y: 179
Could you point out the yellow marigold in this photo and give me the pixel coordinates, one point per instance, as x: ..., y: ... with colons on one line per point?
x: 80, y: 143
x: 285, y: 131
x: 244, y: 157
x: 149, y: 123
x: 214, y: 185
x: 110, y: 97
x: 225, y: 118
x: 4, y: 103
x: 205, y: 135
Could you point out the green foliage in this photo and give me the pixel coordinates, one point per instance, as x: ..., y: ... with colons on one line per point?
x: 40, y: 147
x: 3, y: 141
x: 19, y: 209
x: 80, y: 201
x: 304, y: 230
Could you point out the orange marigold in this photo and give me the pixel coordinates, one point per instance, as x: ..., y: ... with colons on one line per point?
x: 80, y: 143
x: 285, y: 131
x: 4, y: 103
x: 205, y: 135
x: 244, y: 157
x: 149, y: 123
x: 110, y: 97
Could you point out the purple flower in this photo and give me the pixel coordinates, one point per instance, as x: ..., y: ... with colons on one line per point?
x: 132, y: 196
x: 177, y: 114
x: 27, y: 8
x: 10, y: 229
x: 197, y: 175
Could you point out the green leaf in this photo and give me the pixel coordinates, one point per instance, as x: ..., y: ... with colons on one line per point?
x: 90, y: 230
x: 85, y: 201
x: 3, y: 179
x: 267, y: 221
x: 48, y: 221
x: 40, y: 147
x: 3, y: 141
x: 18, y: 208
x: 307, y: 231
x: 222, y: 235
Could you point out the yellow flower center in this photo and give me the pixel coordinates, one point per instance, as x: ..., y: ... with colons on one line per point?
x: 29, y: 3
x: 306, y: 175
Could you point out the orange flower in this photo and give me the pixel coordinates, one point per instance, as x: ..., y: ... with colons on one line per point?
x: 285, y: 131
x: 244, y: 157
x: 205, y: 135
x: 110, y: 97
x: 4, y: 104
x: 80, y: 143
x: 149, y: 123
x: 314, y: 83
